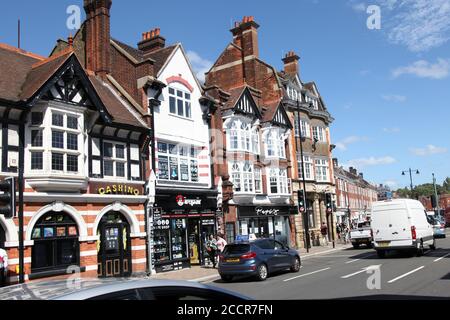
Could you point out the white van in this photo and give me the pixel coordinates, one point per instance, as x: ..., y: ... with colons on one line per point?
x: 401, y: 224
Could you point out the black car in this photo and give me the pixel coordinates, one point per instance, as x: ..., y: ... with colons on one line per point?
x: 257, y: 258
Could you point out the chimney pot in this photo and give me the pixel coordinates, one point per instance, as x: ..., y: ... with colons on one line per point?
x: 152, y: 41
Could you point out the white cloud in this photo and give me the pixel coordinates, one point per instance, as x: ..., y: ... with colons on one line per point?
x: 343, y: 144
x: 391, y: 130
x: 394, y: 98
x: 393, y: 184
x: 425, y: 69
x: 364, y: 72
x: 420, y: 25
x: 371, y: 161
x: 199, y: 64
x: 428, y: 150
x: 359, y: 6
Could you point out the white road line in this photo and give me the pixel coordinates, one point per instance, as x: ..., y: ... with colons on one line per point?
x: 306, y: 274
x: 354, y: 274
x: 352, y: 261
x: 406, y: 274
x: 439, y: 259
x: 369, y: 255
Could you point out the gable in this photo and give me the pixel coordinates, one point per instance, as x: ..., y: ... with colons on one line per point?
x: 281, y: 118
x: 246, y: 105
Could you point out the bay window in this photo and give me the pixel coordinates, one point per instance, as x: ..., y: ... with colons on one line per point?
x: 177, y: 162
x: 242, y: 136
x: 322, y: 169
x: 278, y: 181
x: 258, y: 180
x: 275, y: 146
x: 242, y: 177
x: 305, y: 127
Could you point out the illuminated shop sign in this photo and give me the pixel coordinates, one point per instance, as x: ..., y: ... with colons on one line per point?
x: 119, y: 189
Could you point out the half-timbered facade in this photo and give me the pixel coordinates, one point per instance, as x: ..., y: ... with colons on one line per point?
x: 253, y: 153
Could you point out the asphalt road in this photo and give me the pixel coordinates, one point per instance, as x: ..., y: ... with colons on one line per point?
x: 344, y: 274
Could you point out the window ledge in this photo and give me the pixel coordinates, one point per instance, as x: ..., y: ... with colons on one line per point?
x: 180, y: 117
x: 57, y: 183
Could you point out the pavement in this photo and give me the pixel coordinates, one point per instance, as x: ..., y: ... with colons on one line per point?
x: 348, y: 273
x: 208, y: 273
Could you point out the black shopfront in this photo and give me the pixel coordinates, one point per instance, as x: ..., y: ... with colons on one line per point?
x: 182, y: 222
x: 267, y: 222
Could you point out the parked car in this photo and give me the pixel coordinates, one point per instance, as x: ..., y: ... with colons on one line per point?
x: 361, y: 235
x: 257, y: 258
x: 117, y: 289
x: 401, y: 224
x: 438, y: 227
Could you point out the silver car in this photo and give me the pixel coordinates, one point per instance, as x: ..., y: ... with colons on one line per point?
x: 117, y: 289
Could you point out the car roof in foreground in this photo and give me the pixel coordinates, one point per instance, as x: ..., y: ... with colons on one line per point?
x: 91, y: 288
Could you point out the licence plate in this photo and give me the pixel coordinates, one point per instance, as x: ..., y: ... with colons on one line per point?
x: 383, y: 244
x: 232, y: 260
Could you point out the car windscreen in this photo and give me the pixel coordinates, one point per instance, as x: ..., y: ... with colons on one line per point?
x: 236, y: 249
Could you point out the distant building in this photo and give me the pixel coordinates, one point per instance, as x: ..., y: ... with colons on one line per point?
x: 354, y: 195
x: 384, y: 192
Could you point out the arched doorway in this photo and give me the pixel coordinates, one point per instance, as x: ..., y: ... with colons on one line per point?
x: 56, y: 245
x: 114, y: 246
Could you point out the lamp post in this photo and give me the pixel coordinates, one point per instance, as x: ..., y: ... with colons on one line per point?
x: 436, y: 194
x: 305, y: 214
x: 410, y: 176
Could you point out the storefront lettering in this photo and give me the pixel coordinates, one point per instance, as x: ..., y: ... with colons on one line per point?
x: 181, y: 201
x: 267, y: 212
x: 118, y: 189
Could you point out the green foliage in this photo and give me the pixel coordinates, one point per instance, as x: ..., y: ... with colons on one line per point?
x: 426, y: 190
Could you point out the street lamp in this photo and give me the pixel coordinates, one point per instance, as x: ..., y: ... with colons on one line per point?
x: 410, y: 176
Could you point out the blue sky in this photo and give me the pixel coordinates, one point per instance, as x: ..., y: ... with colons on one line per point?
x: 388, y: 89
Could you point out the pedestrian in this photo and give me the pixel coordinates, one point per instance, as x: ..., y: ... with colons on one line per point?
x: 211, y: 247
x: 338, y: 231
x: 221, y: 243
x: 324, y: 232
x: 3, y: 266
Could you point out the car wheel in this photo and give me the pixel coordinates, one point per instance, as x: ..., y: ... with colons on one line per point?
x: 381, y: 254
x: 226, y: 278
x: 262, y: 272
x: 356, y: 245
x: 296, y: 266
x: 420, y: 250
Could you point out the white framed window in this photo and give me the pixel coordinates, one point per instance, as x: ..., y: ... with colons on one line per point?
x: 275, y: 144
x: 308, y: 163
x: 180, y: 103
x: 319, y: 134
x: 114, y: 159
x: 242, y: 177
x: 242, y: 136
x: 177, y: 162
x: 278, y: 181
x: 322, y: 169
x: 258, y: 180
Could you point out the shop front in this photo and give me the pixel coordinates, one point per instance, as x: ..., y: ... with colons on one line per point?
x: 182, y: 223
x: 267, y: 222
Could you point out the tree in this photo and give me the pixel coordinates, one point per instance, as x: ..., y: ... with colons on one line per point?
x: 446, y: 185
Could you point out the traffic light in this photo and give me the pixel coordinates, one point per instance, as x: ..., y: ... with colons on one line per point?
x: 329, y: 202
x: 301, y: 201
x: 434, y: 203
x: 8, y: 197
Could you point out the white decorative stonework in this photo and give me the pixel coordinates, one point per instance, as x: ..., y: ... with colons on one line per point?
x: 58, y: 206
x: 116, y: 206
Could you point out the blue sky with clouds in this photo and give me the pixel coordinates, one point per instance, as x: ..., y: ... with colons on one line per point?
x: 388, y: 89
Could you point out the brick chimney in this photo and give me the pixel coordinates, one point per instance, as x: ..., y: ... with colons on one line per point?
x: 98, y: 36
x: 245, y: 35
x: 291, y: 65
x: 152, y: 41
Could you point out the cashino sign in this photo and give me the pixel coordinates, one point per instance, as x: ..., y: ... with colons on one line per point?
x: 119, y: 189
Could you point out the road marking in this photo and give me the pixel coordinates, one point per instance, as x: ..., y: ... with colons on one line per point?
x: 354, y: 274
x: 307, y: 274
x: 369, y: 255
x: 439, y: 259
x: 406, y: 274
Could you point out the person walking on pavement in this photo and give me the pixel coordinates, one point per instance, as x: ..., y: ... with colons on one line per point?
x: 3, y: 266
x: 324, y: 232
x: 211, y: 247
x: 338, y: 231
x: 221, y: 243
